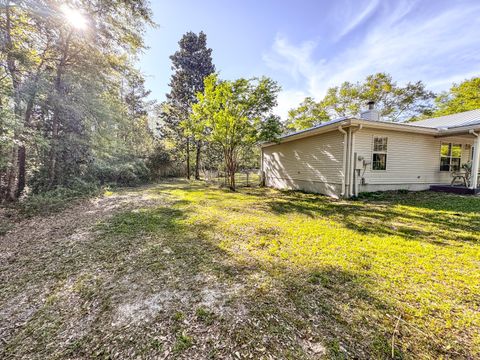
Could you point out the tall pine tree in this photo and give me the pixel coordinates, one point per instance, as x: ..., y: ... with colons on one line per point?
x: 191, y: 64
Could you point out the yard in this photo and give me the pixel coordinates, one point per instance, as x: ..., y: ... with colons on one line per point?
x: 186, y: 270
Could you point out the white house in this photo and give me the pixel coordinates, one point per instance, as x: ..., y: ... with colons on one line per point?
x: 346, y: 156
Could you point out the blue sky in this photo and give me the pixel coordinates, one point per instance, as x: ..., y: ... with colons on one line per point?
x: 310, y: 45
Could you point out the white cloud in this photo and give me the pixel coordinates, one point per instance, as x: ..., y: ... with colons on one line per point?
x: 295, y: 60
x: 354, y: 21
x: 410, y: 42
x: 287, y: 100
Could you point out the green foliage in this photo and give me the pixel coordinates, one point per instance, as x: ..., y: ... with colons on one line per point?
x: 69, y: 96
x: 395, y: 103
x: 461, y: 97
x: 307, y: 115
x: 236, y: 115
x: 122, y: 172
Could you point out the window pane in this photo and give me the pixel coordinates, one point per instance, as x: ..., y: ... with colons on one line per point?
x: 444, y: 164
x: 379, y: 162
x: 457, y: 151
x: 455, y: 164
x: 445, y: 151
x: 380, y: 144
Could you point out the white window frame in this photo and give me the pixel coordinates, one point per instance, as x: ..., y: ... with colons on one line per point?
x: 385, y: 152
x: 451, y: 144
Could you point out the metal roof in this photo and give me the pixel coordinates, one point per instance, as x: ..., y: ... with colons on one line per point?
x: 314, y: 127
x: 448, y: 123
x: 451, y: 121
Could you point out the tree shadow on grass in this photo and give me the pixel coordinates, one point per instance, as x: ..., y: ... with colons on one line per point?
x: 161, y: 260
x: 412, y: 218
x: 278, y: 310
x: 156, y: 259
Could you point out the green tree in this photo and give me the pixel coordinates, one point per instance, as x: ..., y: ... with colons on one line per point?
x: 62, y: 86
x: 461, y: 97
x: 191, y: 64
x: 236, y: 115
x: 307, y: 115
x: 394, y: 102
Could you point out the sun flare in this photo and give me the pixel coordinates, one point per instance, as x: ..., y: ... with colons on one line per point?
x: 74, y: 17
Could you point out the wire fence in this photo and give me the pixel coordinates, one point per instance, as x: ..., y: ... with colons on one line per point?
x: 242, y: 179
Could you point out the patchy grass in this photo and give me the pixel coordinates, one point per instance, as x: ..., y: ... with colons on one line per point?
x: 192, y: 271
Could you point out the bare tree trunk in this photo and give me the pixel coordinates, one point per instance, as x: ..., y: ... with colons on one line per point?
x: 59, y: 91
x: 21, y: 170
x: 22, y: 151
x: 188, y: 158
x: 197, y: 163
x: 232, y: 178
x: 11, y: 177
x: 230, y: 166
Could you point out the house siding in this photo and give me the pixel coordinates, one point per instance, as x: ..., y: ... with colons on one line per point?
x: 413, y: 160
x: 313, y: 164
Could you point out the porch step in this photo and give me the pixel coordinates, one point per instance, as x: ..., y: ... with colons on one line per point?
x: 454, y: 189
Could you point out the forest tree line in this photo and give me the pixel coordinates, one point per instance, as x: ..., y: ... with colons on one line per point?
x: 74, y: 109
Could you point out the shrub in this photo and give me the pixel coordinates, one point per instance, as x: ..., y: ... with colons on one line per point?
x: 129, y: 172
x: 57, y: 199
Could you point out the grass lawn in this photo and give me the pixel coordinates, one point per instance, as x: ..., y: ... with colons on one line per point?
x: 185, y: 270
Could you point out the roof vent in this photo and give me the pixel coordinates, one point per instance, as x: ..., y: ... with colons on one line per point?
x: 371, y: 113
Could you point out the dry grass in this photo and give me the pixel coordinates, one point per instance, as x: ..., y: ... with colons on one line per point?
x: 183, y: 270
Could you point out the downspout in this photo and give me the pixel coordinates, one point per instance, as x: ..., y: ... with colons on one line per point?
x: 348, y: 162
x: 344, y: 162
x: 475, y: 161
x: 352, y: 161
x: 262, y: 171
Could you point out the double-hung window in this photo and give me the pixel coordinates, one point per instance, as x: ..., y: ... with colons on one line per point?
x: 379, y: 158
x: 450, y: 157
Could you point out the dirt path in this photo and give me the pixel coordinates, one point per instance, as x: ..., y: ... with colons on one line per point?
x: 72, y: 224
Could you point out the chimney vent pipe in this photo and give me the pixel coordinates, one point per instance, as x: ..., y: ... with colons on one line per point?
x: 371, y: 114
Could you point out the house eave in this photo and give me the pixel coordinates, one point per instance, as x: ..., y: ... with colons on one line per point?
x: 347, y: 122
x: 395, y: 126
x: 309, y: 132
x: 458, y: 130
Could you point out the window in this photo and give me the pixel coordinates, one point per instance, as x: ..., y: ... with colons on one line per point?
x: 450, y: 157
x: 379, y: 160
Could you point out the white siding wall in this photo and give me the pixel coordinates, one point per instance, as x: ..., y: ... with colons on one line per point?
x: 413, y: 160
x: 311, y: 164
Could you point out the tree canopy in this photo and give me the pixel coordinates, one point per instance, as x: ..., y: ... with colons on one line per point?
x: 461, y: 97
x: 70, y: 96
x: 395, y: 102
x: 235, y: 115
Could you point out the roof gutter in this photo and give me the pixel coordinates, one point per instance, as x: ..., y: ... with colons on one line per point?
x: 470, y: 129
